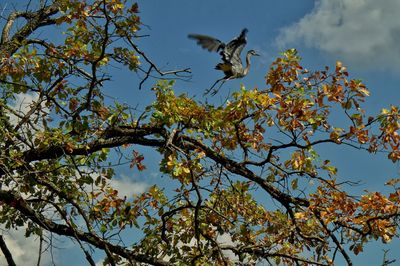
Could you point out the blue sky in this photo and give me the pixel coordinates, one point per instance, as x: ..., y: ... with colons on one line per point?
x: 363, y: 34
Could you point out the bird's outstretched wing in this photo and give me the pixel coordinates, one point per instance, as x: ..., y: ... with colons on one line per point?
x: 207, y: 42
x: 231, y: 52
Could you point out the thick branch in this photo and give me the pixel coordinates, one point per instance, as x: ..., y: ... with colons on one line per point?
x: 113, y: 137
x: 6, y: 252
x: 9, y: 45
x: 19, y: 203
x: 116, y: 136
x: 264, y: 254
x: 241, y: 170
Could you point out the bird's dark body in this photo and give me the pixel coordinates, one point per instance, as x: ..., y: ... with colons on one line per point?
x: 226, y: 68
x: 230, y: 53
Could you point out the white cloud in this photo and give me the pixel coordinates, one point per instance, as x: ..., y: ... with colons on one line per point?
x: 226, y: 239
x: 363, y: 32
x: 223, y: 240
x: 127, y: 186
x: 22, y: 105
x: 25, y: 251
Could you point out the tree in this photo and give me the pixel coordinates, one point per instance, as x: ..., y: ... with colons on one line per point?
x: 57, y: 154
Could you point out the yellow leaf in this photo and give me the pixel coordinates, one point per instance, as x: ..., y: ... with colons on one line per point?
x: 299, y: 215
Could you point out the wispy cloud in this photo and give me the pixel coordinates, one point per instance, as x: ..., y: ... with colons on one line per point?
x: 127, y: 186
x: 22, y: 104
x: 362, y: 32
x: 25, y: 251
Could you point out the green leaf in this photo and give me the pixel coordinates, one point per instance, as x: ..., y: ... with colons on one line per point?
x: 103, y: 228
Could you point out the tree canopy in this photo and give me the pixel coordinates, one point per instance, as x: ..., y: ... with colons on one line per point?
x: 250, y: 185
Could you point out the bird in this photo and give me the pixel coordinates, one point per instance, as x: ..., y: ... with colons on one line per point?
x: 230, y: 53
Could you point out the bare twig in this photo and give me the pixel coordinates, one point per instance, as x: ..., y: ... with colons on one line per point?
x: 153, y: 66
x: 335, y: 240
x: 385, y: 261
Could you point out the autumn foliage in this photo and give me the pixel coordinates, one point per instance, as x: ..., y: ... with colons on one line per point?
x: 250, y: 185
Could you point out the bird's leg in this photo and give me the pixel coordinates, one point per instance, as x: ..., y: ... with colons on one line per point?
x: 215, y: 83
x: 217, y: 90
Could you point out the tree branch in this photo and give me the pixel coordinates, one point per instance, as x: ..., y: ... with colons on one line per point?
x: 241, y: 170
x: 12, y: 199
x: 6, y: 252
x: 9, y: 45
x: 154, y: 66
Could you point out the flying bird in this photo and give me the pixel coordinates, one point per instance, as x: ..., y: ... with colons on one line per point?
x: 230, y: 54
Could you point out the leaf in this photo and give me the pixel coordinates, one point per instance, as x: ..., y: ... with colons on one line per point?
x: 357, y: 249
x: 294, y: 183
x: 393, y: 182
x: 103, y: 228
